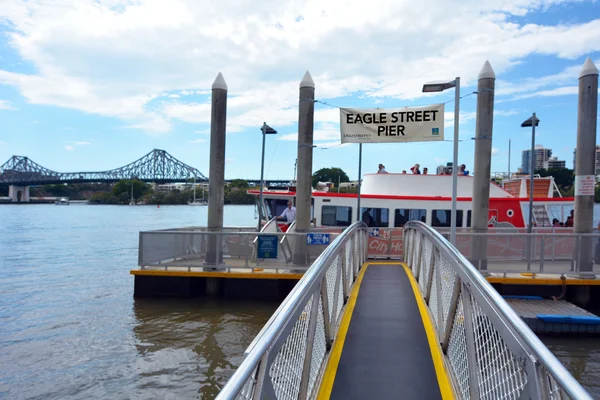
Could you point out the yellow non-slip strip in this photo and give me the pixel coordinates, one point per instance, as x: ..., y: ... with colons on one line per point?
x: 434, y: 345
x: 338, y: 345
x: 201, y: 274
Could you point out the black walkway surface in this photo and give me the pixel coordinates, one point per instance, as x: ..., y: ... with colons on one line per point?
x: 386, y: 354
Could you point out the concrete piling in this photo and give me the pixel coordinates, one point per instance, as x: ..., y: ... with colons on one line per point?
x: 483, y: 159
x: 306, y: 119
x: 585, y: 168
x: 216, y: 178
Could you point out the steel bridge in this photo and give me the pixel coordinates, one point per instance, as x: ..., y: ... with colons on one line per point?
x: 157, y: 166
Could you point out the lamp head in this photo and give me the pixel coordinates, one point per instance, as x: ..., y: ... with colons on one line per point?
x: 529, y: 122
x: 438, y: 86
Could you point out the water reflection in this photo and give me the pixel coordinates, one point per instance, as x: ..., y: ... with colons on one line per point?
x: 191, y: 347
x: 581, y: 357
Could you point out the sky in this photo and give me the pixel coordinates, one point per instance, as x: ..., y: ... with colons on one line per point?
x: 91, y: 85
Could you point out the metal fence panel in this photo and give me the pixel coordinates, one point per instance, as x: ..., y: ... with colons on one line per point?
x: 490, y: 351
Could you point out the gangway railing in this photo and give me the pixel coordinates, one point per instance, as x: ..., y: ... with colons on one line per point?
x: 287, y: 358
x: 490, y: 353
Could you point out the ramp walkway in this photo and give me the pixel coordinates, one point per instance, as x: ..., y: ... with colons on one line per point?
x: 430, y: 327
x: 385, y: 340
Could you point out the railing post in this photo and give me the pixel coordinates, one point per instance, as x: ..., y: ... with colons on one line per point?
x: 260, y: 376
x: 470, y: 343
x: 326, y: 316
x: 451, y: 313
x: 336, y: 288
x: 429, y: 277
x: 310, y: 339
x: 440, y: 309
x: 419, y: 256
x: 141, y: 250
x: 542, y: 253
x: 404, y: 248
x: 246, y: 245
x: 578, y: 257
x: 364, y: 243
x: 344, y: 277
x: 534, y: 388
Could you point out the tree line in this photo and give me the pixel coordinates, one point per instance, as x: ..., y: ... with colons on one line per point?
x: 143, y: 193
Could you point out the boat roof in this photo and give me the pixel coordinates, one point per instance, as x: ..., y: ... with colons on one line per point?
x: 415, y: 187
x: 423, y: 186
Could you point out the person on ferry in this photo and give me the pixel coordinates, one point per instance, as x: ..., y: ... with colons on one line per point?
x: 415, y: 170
x: 570, y: 219
x: 289, y: 213
x: 403, y: 172
x: 424, y: 170
x: 462, y: 170
x: 382, y: 169
x: 555, y: 223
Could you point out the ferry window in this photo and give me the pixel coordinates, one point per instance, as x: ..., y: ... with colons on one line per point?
x: 403, y: 215
x: 441, y: 218
x: 336, y: 216
x: 468, y: 218
x: 275, y: 207
x: 375, y: 217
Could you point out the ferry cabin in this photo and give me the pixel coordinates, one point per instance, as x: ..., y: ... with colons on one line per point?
x: 391, y: 200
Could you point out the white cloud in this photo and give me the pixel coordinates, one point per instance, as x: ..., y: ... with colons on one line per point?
x: 440, y: 160
x: 115, y: 58
x: 203, y: 132
x: 560, y: 91
x: 69, y: 148
x: 330, y: 145
x: 6, y: 105
x: 506, y: 113
x: 198, y: 141
x: 2, y: 142
x: 464, y: 118
x: 495, y: 151
x: 82, y: 143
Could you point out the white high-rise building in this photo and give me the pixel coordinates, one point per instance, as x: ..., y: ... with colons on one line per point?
x: 597, y: 159
x: 554, y: 163
x: 542, y: 155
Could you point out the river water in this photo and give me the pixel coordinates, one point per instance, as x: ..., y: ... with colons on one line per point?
x: 70, y: 327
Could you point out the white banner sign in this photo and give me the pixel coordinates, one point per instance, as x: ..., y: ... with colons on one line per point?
x: 376, y: 125
x: 585, y: 185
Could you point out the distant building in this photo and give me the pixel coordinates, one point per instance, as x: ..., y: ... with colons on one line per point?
x: 349, y: 185
x: 597, y: 159
x: 542, y: 155
x: 554, y: 163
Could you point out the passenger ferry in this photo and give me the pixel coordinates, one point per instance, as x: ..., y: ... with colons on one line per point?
x: 390, y: 200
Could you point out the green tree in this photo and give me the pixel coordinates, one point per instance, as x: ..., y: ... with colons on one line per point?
x: 329, y: 175
x: 124, y: 186
x: 563, y: 177
x: 238, y: 196
x: 239, y: 183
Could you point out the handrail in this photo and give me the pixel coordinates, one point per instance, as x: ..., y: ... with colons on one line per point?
x: 297, y: 325
x: 506, y: 324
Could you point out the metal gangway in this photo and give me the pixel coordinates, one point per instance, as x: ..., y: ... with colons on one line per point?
x: 428, y: 327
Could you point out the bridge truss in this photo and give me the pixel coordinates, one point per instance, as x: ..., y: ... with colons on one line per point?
x: 157, y: 166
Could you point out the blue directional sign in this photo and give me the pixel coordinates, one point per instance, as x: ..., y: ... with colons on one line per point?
x: 374, y: 232
x: 267, y: 247
x: 318, y: 239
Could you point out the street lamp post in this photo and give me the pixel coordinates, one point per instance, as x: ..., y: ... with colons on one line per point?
x: 439, y: 87
x: 266, y: 130
x: 531, y: 122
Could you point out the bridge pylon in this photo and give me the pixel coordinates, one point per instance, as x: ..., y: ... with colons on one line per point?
x: 19, y: 194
